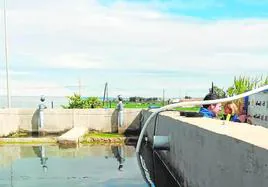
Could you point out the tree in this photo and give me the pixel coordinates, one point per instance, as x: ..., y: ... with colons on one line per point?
x: 76, y: 101
x: 219, y: 91
x: 93, y: 102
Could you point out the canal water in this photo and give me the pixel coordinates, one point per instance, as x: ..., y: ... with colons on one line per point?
x: 31, y: 166
x: 87, y: 165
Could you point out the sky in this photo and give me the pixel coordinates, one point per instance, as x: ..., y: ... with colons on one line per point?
x: 140, y: 47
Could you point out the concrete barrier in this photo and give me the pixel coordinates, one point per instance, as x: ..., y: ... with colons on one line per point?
x: 60, y: 120
x: 208, y: 152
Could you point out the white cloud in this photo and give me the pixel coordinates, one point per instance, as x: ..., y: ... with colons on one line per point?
x: 12, y: 73
x: 22, y: 87
x: 73, y: 61
x: 85, y: 34
x: 141, y: 38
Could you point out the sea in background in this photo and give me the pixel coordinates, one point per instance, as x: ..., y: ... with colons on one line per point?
x: 33, y: 101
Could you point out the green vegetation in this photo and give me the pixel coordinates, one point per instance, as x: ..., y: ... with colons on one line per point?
x: 188, y: 109
x: 76, y: 101
x: 139, y: 105
x: 100, y: 138
x: 102, y: 135
x: 18, y: 135
x: 242, y: 84
x: 219, y: 91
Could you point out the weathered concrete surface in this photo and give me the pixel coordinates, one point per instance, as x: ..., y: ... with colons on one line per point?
x: 59, y: 120
x: 9, y: 121
x: 207, y: 152
x: 72, y: 136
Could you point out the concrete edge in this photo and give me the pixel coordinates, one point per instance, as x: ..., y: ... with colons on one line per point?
x: 104, y: 140
x: 27, y: 140
x: 36, y: 141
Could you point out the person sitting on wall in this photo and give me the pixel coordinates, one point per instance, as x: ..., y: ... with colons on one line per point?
x: 211, y: 110
x: 231, y: 112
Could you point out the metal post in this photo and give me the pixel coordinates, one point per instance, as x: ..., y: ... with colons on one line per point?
x: 163, y: 97
x: 6, y: 56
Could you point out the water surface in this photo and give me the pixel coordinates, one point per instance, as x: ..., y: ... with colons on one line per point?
x: 98, y: 165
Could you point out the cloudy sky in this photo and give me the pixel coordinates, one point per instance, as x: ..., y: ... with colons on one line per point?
x: 139, y: 47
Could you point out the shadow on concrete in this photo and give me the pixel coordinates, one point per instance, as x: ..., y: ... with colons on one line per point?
x: 133, y: 131
x: 34, y: 121
x: 135, y: 127
x: 114, y: 125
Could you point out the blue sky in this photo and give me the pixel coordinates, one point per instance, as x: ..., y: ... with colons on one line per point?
x: 205, y: 9
x: 138, y: 47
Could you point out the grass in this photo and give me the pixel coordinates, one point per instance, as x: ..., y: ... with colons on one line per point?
x: 18, y: 135
x: 134, y: 105
x: 188, y: 109
x: 146, y: 106
x: 102, y: 135
x: 102, y: 138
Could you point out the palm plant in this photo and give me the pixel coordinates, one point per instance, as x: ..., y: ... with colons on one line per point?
x: 243, y: 84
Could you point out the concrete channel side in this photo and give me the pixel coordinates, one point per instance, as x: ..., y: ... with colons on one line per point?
x: 208, y: 152
x: 58, y: 120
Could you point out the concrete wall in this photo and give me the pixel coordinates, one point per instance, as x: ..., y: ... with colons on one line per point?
x: 56, y: 120
x: 208, y: 152
x: 9, y: 121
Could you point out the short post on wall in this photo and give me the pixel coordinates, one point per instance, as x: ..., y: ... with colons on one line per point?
x: 41, y: 108
x: 161, y: 143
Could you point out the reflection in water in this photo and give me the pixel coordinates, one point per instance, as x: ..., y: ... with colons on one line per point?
x: 40, y: 151
x: 118, y: 154
x: 83, y: 166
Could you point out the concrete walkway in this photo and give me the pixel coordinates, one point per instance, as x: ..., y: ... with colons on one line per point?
x: 72, y: 136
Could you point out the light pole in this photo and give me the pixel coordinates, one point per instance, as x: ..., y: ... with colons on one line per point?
x: 6, y: 55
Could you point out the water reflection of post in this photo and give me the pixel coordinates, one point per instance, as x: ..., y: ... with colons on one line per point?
x: 40, y: 151
x: 11, y: 174
x: 118, y: 154
x: 43, y: 158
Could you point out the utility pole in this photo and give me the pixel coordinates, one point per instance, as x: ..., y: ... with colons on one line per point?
x: 105, y: 94
x: 79, y: 86
x: 163, y: 97
x: 6, y: 56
